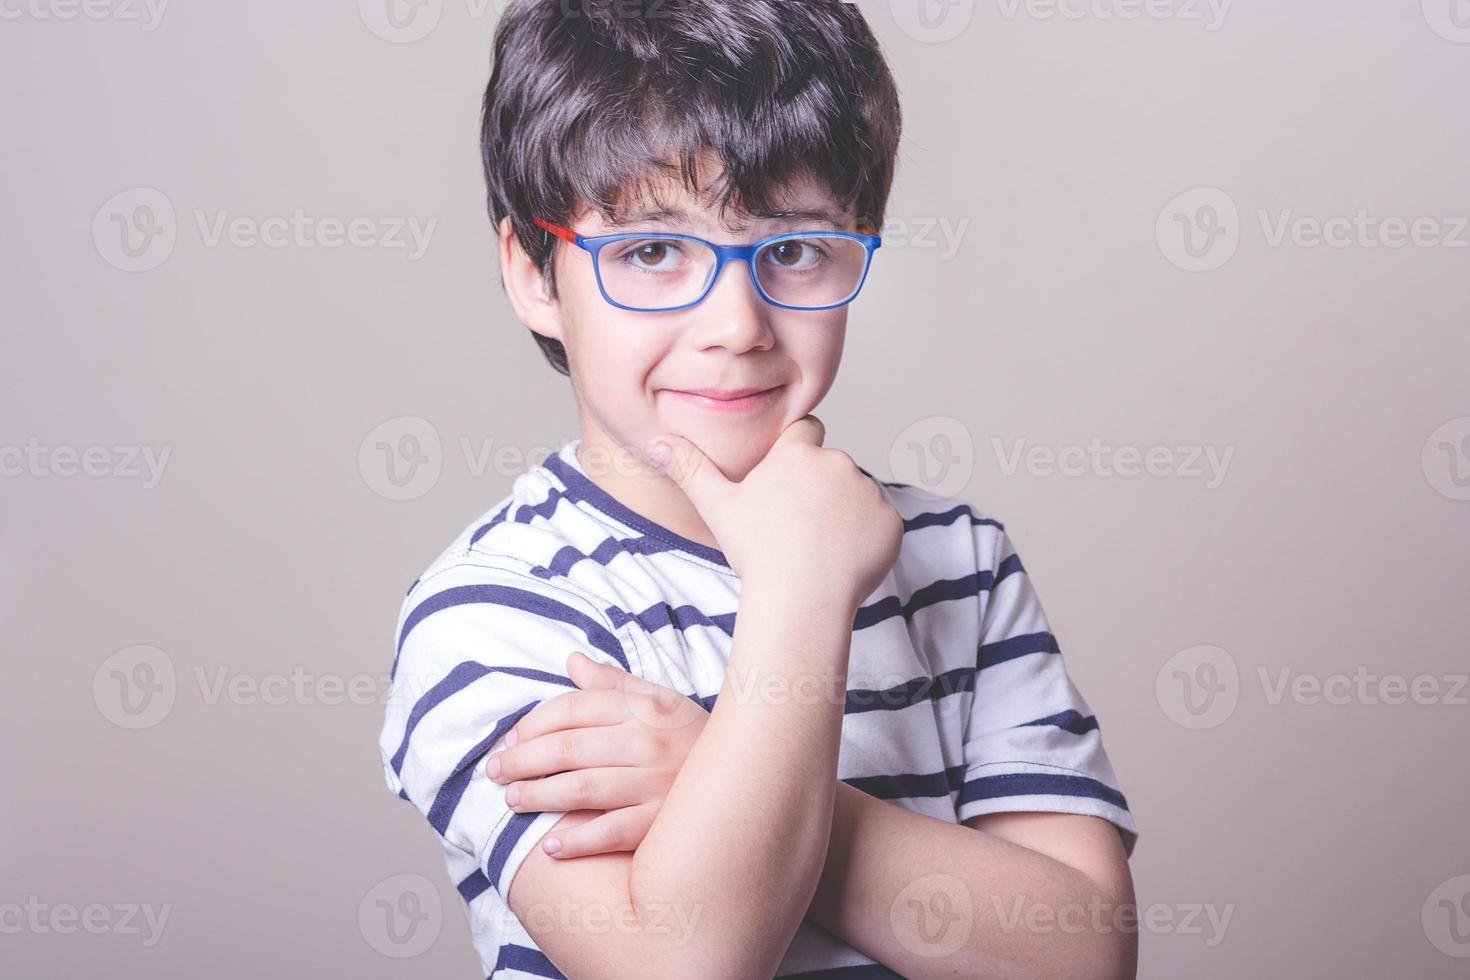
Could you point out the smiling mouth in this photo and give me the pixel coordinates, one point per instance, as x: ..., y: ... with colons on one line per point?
x: 732, y: 399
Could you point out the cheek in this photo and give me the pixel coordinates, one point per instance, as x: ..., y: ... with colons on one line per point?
x: 816, y: 348
x: 612, y: 356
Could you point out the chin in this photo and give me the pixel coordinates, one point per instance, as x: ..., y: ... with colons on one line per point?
x: 733, y: 450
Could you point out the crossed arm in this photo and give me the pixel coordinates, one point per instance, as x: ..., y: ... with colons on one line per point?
x: 1029, y: 895
x: 726, y: 875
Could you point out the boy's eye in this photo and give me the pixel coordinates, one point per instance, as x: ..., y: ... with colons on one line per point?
x: 653, y: 253
x: 795, y: 254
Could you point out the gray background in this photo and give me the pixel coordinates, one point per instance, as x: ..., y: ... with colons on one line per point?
x: 1056, y: 148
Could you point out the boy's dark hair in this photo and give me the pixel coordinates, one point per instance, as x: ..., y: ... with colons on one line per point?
x: 591, y: 102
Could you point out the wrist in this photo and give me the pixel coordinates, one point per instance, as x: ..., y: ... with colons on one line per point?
x: 800, y: 600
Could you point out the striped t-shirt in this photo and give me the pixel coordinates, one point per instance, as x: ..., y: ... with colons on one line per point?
x: 958, y: 702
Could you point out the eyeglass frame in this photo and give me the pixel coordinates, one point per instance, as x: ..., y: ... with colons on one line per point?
x: 593, y: 245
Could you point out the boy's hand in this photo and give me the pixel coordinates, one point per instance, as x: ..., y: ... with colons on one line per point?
x: 614, y: 745
x: 804, y: 515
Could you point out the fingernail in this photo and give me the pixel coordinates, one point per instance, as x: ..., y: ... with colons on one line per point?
x: 659, y: 453
x: 552, y: 845
x: 492, y: 768
x: 513, y: 795
x: 511, y: 738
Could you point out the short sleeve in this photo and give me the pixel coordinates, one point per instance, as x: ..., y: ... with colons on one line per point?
x: 1031, y: 741
x: 480, y: 644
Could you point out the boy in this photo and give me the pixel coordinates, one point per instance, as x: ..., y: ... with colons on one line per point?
x: 883, y: 770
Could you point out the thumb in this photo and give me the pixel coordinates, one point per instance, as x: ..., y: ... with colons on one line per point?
x: 691, y: 469
x: 589, y: 675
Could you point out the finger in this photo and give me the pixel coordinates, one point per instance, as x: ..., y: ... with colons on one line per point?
x: 807, y: 429
x: 688, y: 466
x: 619, y: 830
x: 560, y: 751
x: 651, y: 703
x: 588, y: 674
x: 604, y: 788
x: 574, y: 709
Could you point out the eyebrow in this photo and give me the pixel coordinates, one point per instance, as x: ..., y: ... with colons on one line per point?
x: 679, y: 216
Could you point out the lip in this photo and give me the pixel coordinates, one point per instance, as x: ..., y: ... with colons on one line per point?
x: 728, y: 399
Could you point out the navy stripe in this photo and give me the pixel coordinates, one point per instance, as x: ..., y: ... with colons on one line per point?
x: 526, y: 960
x: 474, y: 886
x: 484, y: 529
x: 457, y: 680
x: 504, y: 595
x: 567, y: 557
x: 515, y: 829
x: 916, y: 691
x: 659, y: 615
x: 1039, y: 784
x: 940, y: 591
x: 911, y: 785
x: 578, y: 487
x: 1069, y: 721
x: 948, y: 517
x: 1008, y: 567
x: 453, y: 789
x: 1012, y: 647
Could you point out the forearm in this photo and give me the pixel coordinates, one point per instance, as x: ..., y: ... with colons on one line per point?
x: 749, y: 815
x: 932, y: 899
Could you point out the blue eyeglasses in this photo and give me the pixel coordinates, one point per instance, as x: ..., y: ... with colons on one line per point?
x: 651, y: 272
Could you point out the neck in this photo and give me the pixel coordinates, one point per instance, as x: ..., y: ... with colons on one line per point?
x: 624, y: 475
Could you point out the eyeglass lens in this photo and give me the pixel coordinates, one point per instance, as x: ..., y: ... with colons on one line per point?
x: 664, y: 273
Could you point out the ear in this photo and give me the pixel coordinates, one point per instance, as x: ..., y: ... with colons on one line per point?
x: 525, y: 286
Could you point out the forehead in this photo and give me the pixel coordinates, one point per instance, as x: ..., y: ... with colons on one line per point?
x: 668, y: 202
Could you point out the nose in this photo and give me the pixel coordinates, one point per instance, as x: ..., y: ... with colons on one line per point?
x: 733, y: 315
